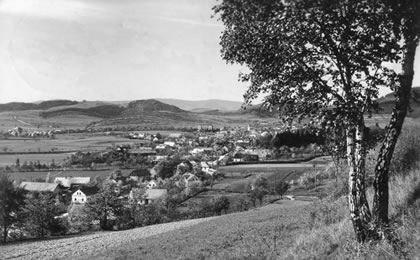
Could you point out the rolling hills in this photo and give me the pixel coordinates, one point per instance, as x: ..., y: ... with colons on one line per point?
x: 387, y: 103
x: 153, y: 112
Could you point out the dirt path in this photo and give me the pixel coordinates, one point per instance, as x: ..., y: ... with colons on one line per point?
x: 76, y: 247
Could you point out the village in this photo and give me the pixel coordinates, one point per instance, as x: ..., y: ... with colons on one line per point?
x: 163, y: 175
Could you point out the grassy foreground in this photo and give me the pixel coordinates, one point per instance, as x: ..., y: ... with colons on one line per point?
x: 288, y: 230
x: 252, y: 235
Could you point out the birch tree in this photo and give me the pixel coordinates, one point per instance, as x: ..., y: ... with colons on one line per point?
x: 323, y: 60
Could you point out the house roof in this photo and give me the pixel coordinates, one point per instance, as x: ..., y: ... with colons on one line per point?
x: 75, y: 193
x: 39, y: 186
x: 68, y: 181
x: 90, y: 190
x: 154, y: 194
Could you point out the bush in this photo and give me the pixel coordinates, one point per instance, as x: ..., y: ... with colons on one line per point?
x: 221, y: 204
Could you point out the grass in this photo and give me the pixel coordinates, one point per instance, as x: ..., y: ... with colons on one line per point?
x: 335, y: 239
x: 62, y: 142
x: 28, y: 176
x: 235, y: 236
x: 238, y: 176
x: 10, y: 159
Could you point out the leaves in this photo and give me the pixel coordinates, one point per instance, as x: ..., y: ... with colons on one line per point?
x: 320, y: 59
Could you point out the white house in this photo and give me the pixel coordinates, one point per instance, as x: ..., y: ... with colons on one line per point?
x: 153, y: 184
x: 79, y: 197
x: 151, y: 195
x: 169, y: 143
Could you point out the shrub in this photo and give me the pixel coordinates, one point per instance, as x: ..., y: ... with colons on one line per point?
x: 221, y: 204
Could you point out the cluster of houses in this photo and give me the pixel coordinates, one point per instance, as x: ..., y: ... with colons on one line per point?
x: 19, y: 132
x: 78, y: 190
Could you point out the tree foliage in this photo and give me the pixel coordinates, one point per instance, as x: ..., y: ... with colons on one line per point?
x: 104, y: 206
x: 11, y: 203
x: 41, y: 212
x: 323, y: 59
x: 281, y: 188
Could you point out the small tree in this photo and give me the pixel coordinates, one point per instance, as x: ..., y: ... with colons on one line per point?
x: 103, y: 206
x: 11, y: 203
x: 40, y: 210
x: 222, y: 203
x: 257, y: 189
x: 281, y: 188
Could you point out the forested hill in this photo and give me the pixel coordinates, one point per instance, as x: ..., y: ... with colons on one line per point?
x: 149, y: 105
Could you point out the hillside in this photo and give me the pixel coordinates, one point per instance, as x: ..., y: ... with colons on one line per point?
x: 218, y: 237
x: 21, y: 106
x: 101, y: 111
x: 387, y: 103
x: 149, y: 105
x: 203, y: 105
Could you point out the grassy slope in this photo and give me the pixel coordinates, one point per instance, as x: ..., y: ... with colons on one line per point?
x: 229, y: 236
x: 285, y: 231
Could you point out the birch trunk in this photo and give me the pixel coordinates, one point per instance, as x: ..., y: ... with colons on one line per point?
x: 380, y: 184
x: 358, y: 205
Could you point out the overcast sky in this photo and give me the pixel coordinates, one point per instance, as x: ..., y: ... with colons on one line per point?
x: 114, y: 50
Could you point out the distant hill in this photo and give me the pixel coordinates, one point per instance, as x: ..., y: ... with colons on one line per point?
x: 21, y: 106
x: 203, y: 105
x: 387, y: 103
x: 101, y: 111
x: 149, y: 105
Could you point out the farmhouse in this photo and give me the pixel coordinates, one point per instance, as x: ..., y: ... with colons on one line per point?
x: 154, y: 184
x: 152, y: 195
x: 169, y: 143
x: 149, y: 196
x: 78, y: 197
x: 82, y: 195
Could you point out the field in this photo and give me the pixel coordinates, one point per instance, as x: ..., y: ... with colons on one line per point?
x: 10, y: 159
x: 238, y: 176
x: 62, y: 142
x: 30, y: 176
x: 217, y: 237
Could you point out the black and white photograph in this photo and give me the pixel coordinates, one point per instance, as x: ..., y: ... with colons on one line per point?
x: 209, y: 129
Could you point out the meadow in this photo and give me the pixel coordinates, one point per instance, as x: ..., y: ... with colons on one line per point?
x: 32, y: 176
x: 10, y: 159
x: 62, y: 143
